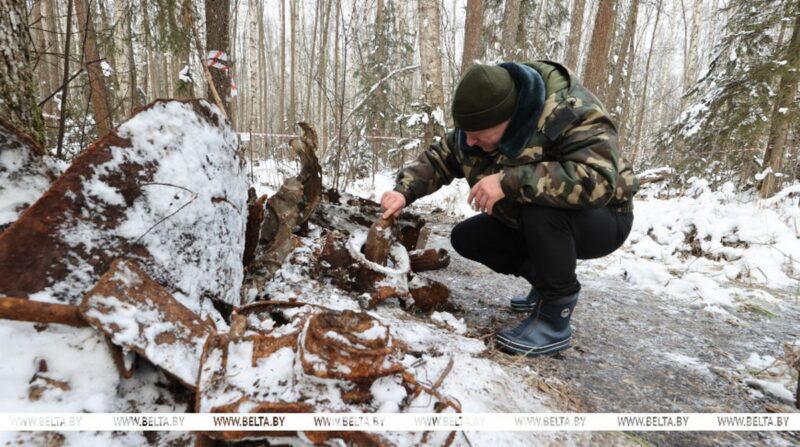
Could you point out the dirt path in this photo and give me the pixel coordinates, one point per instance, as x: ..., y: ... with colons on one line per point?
x: 634, y: 351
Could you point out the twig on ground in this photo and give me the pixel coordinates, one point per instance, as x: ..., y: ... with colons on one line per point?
x: 444, y: 374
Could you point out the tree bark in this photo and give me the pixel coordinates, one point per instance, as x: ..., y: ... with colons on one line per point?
x: 508, y: 42
x: 54, y: 45
x: 217, y: 22
x: 430, y: 55
x: 640, y: 116
x: 690, y: 63
x: 575, y: 34
x: 18, y: 91
x: 322, y: 76
x: 781, y: 119
x: 472, y: 33
x: 252, y: 55
x: 595, y: 69
x: 91, y: 58
x: 65, y: 86
x: 125, y: 70
x: 293, y: 72
x: 183, y: 55
x: 622, y: 58
x: 282, y: 68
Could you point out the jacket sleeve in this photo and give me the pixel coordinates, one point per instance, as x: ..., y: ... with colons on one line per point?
x: 583, y: 175
x: 435, y: 167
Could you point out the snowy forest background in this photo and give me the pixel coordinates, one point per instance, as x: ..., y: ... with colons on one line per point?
x: 706, y: 87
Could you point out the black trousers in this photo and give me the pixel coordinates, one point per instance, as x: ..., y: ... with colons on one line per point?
x: 546, y: 247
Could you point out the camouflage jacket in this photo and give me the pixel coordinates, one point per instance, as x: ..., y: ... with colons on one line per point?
x: 565, y: 156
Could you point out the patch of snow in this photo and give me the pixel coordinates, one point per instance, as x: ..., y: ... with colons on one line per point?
x: 447, y: 319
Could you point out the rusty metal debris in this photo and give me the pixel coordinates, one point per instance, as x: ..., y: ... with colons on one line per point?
x: 291, y: 206
x: 347, y: 345
x: 379, y: 239
x: 41, y: 382
x: 429, y: 295
x: 249, y: 370
x: 431, y: 259
x: 275, y: 356
x: 40, y: 312
x: 346, y: 260
x: 35, y: 254
x: 141, y: 316
x: 255, y: 217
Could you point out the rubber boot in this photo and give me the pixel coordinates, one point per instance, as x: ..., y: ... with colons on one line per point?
x: 526, y: 303
x: 545, y: 331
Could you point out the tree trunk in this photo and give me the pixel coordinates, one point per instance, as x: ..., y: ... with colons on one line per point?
x: 293, y: 72
x: 97, y: 82
x: 595, y: 69
x: 784, y: 103
x: 65, y: 85
x: 122, y: 38
x: 430, y: 55
x: 472, y: 33
x: 282, y: 68
x: 40, y: 47
x: 184, y: 89
x: 575, y: 34
x: 622, y: 58
x: 640, y: 116
x: 317, y: 20
x: 322, y: 76
x: 54, y: 45
x: 217, y: 39
x: 148, y: 59
x: 508, y: 42
x: 690, y: 64
x: 252, y: 55
x: 18, y: 91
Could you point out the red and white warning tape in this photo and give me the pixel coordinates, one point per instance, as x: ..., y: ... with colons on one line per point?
x: 215, y: 59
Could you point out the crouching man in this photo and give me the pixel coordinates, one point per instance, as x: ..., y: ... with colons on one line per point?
x: 541, y: 155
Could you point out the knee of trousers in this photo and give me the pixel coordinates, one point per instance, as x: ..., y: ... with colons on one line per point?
x: 459, y: 240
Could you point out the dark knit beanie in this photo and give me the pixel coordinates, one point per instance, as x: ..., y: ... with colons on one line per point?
x: 485, y: 97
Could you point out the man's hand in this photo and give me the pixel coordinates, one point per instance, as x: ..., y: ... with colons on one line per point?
x: 486, y: 193
x: 392, y: 203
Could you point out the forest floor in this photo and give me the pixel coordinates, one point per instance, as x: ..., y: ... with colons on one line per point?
x: 633, y: 351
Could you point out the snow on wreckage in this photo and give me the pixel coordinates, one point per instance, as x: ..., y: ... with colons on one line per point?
x: 143, y: 238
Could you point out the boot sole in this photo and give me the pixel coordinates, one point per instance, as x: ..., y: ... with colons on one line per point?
x: 514, y: 347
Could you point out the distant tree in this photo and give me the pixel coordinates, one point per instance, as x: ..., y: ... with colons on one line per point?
x: 94, y: 64
x: 472, y: 33
x: 430, y: 55
x: 217, y: 39
x: 595, y: 70
x: 575, y: 34
x: 784, y: 108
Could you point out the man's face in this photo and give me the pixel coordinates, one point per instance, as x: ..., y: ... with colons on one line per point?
x: 487, y: 139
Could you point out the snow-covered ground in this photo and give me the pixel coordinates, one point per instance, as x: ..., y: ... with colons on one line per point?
x: 720, y: 253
